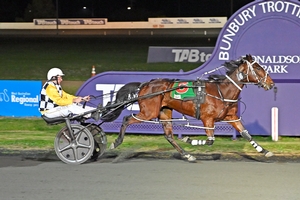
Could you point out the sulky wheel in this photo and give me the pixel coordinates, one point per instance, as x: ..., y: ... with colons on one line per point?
x: 75, y: 151
x: 100, y: 140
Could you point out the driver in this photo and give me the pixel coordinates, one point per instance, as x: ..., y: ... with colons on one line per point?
x: 55, y: 102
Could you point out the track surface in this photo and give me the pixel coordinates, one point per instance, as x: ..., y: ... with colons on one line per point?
x: 147, y: 179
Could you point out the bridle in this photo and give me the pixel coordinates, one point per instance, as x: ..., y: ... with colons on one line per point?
x: 250, y: 68
x: 259, y: 81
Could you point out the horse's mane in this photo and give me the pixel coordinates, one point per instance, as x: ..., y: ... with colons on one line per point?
x: 158, y: 79
x: 231, y: 66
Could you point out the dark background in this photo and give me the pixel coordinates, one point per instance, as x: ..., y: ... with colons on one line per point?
x: 116, y: 10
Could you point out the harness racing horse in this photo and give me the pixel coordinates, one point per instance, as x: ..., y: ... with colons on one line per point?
x: 220, y: 103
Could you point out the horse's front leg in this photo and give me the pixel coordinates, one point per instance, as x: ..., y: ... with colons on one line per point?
x: 245, y: 134
x: 168, y: 131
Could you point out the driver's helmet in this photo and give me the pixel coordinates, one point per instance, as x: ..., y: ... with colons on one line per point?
x: 54, y: 72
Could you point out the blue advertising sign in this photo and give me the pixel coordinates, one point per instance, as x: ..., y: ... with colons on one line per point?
x: 19, y: 98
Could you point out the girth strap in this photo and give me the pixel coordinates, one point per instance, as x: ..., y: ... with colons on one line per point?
x: 200, y: 96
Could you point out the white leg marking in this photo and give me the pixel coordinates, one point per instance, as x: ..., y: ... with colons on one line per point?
x: 256, y: 146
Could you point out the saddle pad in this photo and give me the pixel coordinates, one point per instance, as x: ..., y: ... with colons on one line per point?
x: 185, y: 92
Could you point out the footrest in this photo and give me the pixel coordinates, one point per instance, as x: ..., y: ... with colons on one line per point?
x: 54, y: 121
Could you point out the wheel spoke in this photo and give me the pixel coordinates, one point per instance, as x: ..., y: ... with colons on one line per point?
x: 84, y: 146
x: 75, y: 154
x: 78, y: 135
x: 65, y: 148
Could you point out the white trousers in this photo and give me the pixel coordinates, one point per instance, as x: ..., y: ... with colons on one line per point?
x: 63, y: 111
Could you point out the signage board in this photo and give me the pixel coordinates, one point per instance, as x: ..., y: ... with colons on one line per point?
x: 19, y: 98
x: 179, y: 54
x: 268, y: 30
x: 199, y: 22
x: 69, y: 21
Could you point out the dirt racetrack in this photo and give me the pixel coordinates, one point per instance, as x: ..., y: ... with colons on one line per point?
x: 148, y: 176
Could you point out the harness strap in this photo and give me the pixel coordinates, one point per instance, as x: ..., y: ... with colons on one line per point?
x: 200, y: 98
x: 234, y: 83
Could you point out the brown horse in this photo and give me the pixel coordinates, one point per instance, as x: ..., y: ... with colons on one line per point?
x: 220, y: 103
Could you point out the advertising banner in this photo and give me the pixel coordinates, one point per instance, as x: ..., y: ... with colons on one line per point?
x: 179, y: 54
x: 70, y: 21
x: 200, y: 22
x: 19, y: 98
x: 268, y: 30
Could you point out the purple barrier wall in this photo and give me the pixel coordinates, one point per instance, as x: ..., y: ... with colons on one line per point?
x: 267, y: 30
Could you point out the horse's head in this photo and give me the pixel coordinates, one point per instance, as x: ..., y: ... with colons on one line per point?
x: 251, y: 72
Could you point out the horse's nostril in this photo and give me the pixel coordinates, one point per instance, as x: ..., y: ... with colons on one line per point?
x: 272, y: 85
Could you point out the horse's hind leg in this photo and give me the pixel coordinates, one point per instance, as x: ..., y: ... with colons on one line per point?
x: 166, y: 114
x: 121, y: 135
x: 127, y: 120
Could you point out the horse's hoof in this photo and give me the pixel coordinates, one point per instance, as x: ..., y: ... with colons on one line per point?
x: 185, y: 139
x: 269, y: 154
x: 190, y: 158
x: 112, y: 146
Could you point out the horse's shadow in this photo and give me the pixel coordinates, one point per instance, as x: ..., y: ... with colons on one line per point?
x: 128, y: 155
x: 245, y: 157
x: 201, y: 157
x: 230, y: 157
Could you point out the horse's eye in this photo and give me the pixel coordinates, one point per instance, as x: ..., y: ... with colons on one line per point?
x: 257, y: 67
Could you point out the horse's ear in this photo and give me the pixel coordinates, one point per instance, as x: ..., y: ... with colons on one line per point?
x: 249, y: 57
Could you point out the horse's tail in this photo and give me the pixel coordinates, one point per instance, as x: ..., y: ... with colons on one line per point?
x: 126, y: 93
